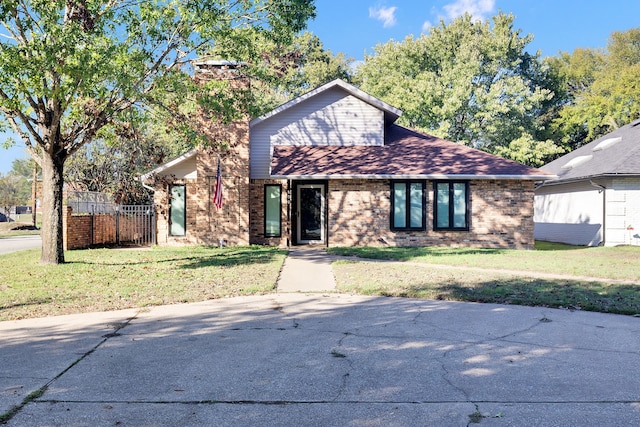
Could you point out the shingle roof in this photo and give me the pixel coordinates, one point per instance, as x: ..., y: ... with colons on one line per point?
x: 406, y: 154
x: 617, y: 153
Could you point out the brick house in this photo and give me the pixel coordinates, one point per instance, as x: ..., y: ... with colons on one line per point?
x: 332, y: 168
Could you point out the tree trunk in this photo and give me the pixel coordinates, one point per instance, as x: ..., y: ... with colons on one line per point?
x: 52, y: 185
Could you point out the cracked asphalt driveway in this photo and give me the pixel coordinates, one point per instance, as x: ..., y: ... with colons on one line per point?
x: 318, y: 360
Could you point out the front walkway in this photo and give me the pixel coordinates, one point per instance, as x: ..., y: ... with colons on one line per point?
x: 307, y: 269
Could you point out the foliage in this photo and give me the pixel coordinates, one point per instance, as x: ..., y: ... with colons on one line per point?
x: 602, y: 88
x: 9, y: 192
x: 112, y: 167
x: 287, y: 70
x: 467, y: 81
x: 74, y: 70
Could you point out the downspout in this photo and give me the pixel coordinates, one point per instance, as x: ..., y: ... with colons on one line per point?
x: 141, y: 179
x: 602, y: 189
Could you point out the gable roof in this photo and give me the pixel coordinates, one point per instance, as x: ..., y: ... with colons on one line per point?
x: 616, y: 153
x: 390, y: 113
x: 405, y: 155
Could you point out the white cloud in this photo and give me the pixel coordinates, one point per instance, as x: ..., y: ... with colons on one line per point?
x: 384, y: 14
x: 478, y: 9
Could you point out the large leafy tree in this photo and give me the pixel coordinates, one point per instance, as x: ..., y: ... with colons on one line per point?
x: 603, y: 88
x: 283, y: 70
x: 468, y: 81
x: 70, y: 69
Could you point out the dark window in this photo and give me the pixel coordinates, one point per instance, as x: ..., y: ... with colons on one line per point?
x: 272, y: 208
x: 407, y: 205
x: 451, y: 210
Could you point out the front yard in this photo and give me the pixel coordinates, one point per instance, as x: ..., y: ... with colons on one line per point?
x: 111, y: 279
x: 501, y: 276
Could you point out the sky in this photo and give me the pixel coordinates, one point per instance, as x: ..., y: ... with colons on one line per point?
x: 355, y: 27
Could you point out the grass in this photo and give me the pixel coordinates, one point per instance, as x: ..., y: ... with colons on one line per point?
x: 619, y: 263
x: 111, y: 279
x: 498, y: 283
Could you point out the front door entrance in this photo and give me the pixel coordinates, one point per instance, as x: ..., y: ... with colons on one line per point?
x: 311, y: 224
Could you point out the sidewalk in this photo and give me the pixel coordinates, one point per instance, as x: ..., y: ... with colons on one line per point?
x: 307, y: 269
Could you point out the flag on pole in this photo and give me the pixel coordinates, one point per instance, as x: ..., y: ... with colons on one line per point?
x: 217, y: 192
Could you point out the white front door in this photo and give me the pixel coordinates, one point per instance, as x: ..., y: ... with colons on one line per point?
x: 311, y: 224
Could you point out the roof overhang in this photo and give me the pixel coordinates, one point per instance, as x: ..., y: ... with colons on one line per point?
x: 429, y: 177
x: 555, y: 181
x: 157, y: 171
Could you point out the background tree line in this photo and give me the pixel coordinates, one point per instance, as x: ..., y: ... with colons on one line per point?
x: 470, y: 82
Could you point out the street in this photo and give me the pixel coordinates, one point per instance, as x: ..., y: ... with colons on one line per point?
x: 19, y: 243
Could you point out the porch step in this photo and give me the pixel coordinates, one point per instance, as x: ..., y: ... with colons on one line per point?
x: 306, y: 269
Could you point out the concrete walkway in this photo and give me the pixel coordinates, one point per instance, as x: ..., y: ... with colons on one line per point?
x: 307, y: 269
x: 296, y: 359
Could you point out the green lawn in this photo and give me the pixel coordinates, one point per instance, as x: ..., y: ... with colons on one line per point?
x: 619, y: 263
x: 428, y: 275
x: 110, y: 279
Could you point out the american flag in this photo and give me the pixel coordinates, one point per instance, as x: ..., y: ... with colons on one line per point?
x: 217, y: 192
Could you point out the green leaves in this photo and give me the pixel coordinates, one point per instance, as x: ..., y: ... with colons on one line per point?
x: 466, y: 81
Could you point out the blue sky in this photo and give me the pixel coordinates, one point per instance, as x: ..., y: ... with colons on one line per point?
x: 356, y: 26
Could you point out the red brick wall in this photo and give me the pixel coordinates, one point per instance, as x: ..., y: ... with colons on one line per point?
x: 256, y: 211
x: 501, y: 216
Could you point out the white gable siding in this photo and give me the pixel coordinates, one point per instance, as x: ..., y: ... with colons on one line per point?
x: 183, y: 170
x: 570, y: 213
x: 623, y: 212
x: 333, y: 117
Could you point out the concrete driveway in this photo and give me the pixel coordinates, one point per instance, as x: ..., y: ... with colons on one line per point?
x: 19, y: 243
x: 323, y: 360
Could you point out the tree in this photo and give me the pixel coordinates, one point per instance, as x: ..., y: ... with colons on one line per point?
x: 288, y: 70
x: 603, y: 88
x: 72, y: 69
x: 22, y: 172
x: 9, y: 192
x: 467, y: 81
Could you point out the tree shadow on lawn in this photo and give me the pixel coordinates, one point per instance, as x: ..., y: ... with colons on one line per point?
x: 238, y: 257
x: 411, y: 253
x: 590, y: 296
x: 215, y: 258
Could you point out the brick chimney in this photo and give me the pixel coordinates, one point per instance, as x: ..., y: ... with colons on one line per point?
x: 229, y: 143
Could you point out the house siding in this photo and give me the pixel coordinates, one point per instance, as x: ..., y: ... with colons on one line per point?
x: 570, y: 213
x: 579, y: 213
x: 331, y: 118
x: 501, y: 216
x: 623, y: 212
